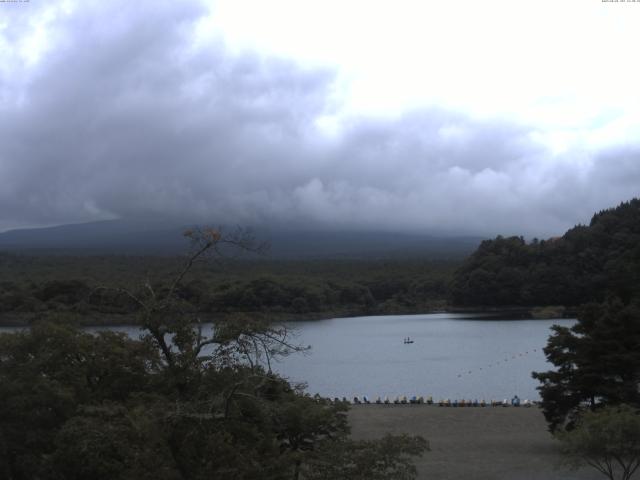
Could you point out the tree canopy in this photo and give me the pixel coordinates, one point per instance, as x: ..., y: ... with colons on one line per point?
x: 608, y: 440
x: 178, y: 403
x: 586, y: 264
x: 597, y: 362
x: 32, y: 287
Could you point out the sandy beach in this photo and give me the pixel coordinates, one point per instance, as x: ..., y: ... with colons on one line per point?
x: 491, y: 443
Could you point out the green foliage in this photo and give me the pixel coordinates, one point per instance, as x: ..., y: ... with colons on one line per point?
x: 111, y: 441
x: 597, y: 362
x: 65, y: 291
x: 101, y: 406
x: 387, y: 458
x: 46, y: 373
x: 91, y: 287
x: 175, y: 404
x: 607, y: 439
x: 585, y: 264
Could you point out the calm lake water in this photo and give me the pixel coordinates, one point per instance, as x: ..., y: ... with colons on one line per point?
x: 453, y: 356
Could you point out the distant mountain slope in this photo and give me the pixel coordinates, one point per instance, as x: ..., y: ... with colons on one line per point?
x: 128, y: 237
x: 585, y: 264
x: 367, y: 244
x: 111, y: 236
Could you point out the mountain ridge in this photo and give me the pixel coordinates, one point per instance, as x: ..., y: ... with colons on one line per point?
x: 164, y: 238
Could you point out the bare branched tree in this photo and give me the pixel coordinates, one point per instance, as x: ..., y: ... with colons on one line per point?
x: 179, y: 335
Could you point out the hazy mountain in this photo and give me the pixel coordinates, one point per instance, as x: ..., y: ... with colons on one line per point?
x: 134, y: 237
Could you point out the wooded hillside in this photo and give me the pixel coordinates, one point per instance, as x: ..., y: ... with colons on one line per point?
x: 586, y: 264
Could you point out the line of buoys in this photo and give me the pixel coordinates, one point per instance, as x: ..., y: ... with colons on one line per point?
x: 498, y: 362
x: 443, y: 402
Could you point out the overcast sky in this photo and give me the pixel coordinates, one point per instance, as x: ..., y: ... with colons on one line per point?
x: 479, y: 117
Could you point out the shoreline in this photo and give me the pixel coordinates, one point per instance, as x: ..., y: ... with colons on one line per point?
x: 489, y: 313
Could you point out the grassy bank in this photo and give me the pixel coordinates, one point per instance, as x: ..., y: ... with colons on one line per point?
x: 472, y: 443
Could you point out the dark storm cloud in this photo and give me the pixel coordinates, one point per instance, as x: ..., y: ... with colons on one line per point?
x: 126, y: 115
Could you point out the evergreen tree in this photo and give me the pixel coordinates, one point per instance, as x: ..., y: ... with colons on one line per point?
x: 597, y: 363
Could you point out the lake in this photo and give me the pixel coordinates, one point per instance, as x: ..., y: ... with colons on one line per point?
x: 453, y: 356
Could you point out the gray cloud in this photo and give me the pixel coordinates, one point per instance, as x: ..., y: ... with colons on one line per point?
x: 129, y: 117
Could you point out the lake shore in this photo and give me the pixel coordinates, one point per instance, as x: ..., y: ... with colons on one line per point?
x: 95, y: 319
x: 491, y: 443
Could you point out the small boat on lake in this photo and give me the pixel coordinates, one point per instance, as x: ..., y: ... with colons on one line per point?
x: 408, y: 340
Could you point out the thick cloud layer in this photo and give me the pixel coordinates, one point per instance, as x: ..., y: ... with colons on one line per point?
x: 126, y: 114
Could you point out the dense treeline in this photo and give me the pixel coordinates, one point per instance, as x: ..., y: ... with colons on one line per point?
x: 595, y: 268
x: 586, y: 264
x: 31, y: 286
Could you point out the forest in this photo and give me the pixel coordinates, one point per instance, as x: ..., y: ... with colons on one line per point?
x: 84, y: 286
x: 586, y: 264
